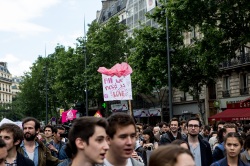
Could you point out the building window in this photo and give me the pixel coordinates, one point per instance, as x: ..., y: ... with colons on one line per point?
x: 226, y: 86
x: 244, y: 84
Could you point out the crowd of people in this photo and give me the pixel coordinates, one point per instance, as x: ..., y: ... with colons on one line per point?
x: 119, y: 141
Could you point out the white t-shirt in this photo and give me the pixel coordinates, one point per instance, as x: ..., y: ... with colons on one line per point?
x: 107, y: 163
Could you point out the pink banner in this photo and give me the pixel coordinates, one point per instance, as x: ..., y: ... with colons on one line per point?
x: 68, y: 115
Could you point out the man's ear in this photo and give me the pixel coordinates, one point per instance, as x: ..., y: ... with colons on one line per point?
x: 17, y: 142
x: 80, y: 144
x: 108, y: 140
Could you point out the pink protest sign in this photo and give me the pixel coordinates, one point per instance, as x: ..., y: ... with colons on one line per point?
x: 116, y: 82
x: 68, y: 115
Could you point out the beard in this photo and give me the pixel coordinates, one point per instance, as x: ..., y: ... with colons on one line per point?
x: 193, y: 135
x: 29, y: 136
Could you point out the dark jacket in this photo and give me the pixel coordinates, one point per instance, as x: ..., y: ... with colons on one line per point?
x: 168, y: 137
x: 223, y: 162
x: 44, y: 156
x: 206, y: 153
x: 219, y: 152
x: 23, y: 161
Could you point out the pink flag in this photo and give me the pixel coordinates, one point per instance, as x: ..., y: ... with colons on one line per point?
x: 68, y: 115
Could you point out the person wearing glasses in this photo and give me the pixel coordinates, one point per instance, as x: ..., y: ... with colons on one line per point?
x: 199, y: 148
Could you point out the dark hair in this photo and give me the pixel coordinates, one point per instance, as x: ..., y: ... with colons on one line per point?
x: 37, y: 123
x: 179, y: 142
x: 235, y: 135
x: 14, y: 129
x: 194, y: 118
x: 247, y: 143
x: 246, y: 127
x: 220, y: 122
x: 167, y: 155
x: 206, y: 127
x: 151, y: 135
x: 118, y: 120
x: 49, y: 126
x: 182, y: 122
x: 84, y: 128
x: 56, y: 128
x: 174, y: 119
x: 162, y: 123
x: 220, y: 136
x: 2, y: 143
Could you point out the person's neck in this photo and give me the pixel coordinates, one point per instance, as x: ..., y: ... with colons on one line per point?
x: 56, y: 141
x: 12, y: 154
x: 193, y: 139
x: 115, y: 160
x: 80, y: 160
x: 232, y: 161
x: 174, y: 133
x: 30, y: 143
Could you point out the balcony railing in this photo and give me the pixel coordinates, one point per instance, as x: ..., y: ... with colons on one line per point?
x: 242, y: 59
x: 5, y: 79
x: 244, y: 91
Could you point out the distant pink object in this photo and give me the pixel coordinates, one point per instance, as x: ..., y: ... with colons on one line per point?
x: 118, y: 70
x: 68, y: 115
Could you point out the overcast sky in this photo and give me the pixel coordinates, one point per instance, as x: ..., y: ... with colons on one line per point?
x: 28, y: 26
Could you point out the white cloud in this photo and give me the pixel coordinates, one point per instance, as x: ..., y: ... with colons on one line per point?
x: 18, y: 69
x: 15, y: 65
x: 9, y: 58
x: 17, y: 16
x: 66, y: 40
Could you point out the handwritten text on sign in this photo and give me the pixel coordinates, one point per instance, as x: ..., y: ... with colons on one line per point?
x: 116, y: 88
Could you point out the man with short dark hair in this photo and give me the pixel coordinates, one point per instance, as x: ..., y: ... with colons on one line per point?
x: 3, y: 152
x: 13, y: 136
x: 205, y: 133
x: 57, y: 146
x: 87, y: 144
x: 121, y: 139
x: 48, y: 132
x: 171, y: 135
x: 199, y: 148
x: 34, y: 149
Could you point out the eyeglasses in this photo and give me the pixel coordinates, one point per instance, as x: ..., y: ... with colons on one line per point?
x: 193, y: 126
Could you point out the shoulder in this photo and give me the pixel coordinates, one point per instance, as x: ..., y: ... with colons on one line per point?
x: 204, y: 143
x: 136, y: 163
x: 23, y: 160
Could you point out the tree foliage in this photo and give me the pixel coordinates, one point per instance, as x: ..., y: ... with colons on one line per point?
x: 106, y: 46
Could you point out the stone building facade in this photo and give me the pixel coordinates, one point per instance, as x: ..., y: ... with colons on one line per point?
x: 5, y: 84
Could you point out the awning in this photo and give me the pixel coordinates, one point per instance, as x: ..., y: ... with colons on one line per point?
x: 232, y: 114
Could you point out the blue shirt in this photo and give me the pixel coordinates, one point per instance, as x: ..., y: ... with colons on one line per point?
x: 61, y: 155
x: 35, y: 159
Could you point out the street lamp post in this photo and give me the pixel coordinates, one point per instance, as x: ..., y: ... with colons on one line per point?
x: 86, y: 80
x: 85, y: 64
x: 45, y: 69
x: 46, y: 86
x: 169, y: 73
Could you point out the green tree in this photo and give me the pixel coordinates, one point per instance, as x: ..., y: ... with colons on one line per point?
x: 196, y: 65
x: 31, y: 99
x: 148, y: 61
x: 106, y: 45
